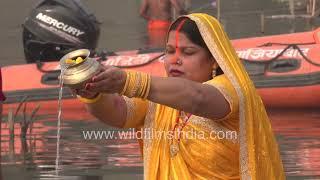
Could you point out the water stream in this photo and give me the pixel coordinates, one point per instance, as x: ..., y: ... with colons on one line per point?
x: 59, y: 118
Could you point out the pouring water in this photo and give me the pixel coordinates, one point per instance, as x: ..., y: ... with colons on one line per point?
x: 59, y: 118
x: 76, y: 69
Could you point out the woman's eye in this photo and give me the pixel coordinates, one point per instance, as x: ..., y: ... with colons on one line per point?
x: 169, y: 51
x: 189, y: 52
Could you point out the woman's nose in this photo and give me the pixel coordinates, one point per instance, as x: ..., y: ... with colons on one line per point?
x: 175, y: 59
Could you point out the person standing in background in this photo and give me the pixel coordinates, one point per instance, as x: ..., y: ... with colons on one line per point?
x: 159, y: 14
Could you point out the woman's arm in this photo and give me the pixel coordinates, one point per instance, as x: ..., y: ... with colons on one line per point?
x: 193, y: 97
x: 110, y: 109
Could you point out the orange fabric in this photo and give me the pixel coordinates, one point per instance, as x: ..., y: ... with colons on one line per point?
x: 157, y: 32
x: 159, y: 24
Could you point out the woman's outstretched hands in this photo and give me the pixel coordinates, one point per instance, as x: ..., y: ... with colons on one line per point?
x: 109, y: 80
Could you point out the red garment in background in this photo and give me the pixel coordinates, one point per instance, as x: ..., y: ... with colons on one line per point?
x: 157, y: 30
x: 2, y: 97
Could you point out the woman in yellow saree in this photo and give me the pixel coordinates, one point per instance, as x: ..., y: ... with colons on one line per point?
x: 224, y: 130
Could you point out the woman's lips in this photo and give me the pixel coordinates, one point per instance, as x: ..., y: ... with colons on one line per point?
x: 175, y: 73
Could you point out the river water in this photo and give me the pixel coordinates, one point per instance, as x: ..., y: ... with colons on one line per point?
x: 81, y: 158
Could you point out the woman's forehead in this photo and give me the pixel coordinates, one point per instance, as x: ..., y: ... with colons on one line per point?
x: 178, y: 38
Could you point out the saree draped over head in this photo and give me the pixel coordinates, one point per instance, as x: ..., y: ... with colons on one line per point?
x: 240, y: 145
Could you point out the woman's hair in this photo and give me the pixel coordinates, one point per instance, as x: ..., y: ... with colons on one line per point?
x: 190, y: 29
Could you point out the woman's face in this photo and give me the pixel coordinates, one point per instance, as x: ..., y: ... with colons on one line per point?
x: 187, y: 60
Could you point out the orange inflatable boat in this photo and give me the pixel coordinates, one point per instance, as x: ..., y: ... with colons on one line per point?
x: 285, y: 70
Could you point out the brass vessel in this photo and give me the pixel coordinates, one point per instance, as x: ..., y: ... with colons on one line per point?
x: 77, y: 74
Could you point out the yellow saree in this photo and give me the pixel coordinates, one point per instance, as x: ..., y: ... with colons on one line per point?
x: 209, y: 153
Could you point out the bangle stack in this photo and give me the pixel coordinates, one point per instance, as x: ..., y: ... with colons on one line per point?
x: 137, y: 85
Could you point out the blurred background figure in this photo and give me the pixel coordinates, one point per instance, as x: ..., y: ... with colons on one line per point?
x: 159, y: 14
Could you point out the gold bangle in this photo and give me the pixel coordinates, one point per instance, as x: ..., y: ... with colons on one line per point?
x: 145, y: 85
x: 131, y: 84
x: 137, y: 85
x: 126, y: 83
x: 146, y: 94
x: 90, y: 101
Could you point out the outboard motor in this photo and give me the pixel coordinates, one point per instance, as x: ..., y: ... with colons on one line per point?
x: 57, y: 27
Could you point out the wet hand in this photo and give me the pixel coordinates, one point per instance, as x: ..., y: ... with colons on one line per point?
x: 109, y: 80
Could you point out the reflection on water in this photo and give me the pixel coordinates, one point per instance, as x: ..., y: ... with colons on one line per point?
x: 297, y: 131
x: 35, y: 156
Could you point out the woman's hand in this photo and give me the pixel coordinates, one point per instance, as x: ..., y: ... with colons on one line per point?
x: 84, y: 93
x: 109, y: 80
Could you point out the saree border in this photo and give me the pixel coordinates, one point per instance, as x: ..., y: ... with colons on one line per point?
x: 214, y: 49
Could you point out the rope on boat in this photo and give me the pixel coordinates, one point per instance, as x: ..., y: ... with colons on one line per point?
x: 293, y: 45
